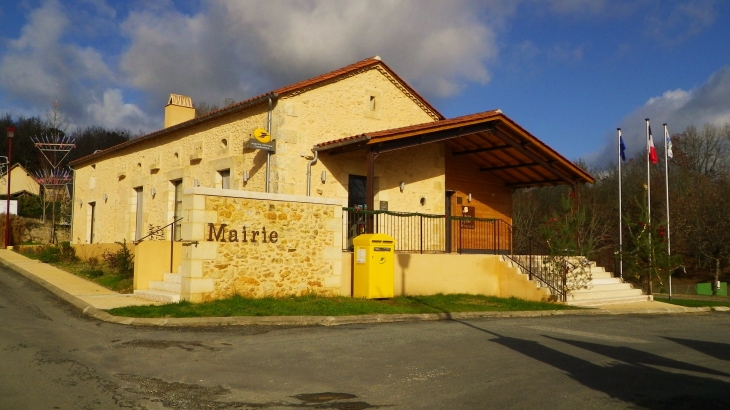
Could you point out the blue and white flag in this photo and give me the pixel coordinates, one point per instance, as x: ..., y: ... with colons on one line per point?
x: 668, y: 143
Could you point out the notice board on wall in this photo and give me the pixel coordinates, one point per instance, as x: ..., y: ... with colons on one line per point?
x: 468, y: 212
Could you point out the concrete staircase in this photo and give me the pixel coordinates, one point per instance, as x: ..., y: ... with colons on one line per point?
x: 166, y: 290
x: 604, y: 289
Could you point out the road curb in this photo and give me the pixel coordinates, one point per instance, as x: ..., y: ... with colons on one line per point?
x: 99, y: 314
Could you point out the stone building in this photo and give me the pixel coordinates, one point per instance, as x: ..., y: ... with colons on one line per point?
x: 266, y: 218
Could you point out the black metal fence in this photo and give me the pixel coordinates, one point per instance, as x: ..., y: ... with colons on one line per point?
x: 428, y: 233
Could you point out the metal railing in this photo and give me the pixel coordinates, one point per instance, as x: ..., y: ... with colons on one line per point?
x: 531, y: 257
x: 156, y: 233
x: 429, y: 233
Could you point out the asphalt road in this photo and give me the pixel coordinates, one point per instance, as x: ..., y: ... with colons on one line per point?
x: 51, y: 357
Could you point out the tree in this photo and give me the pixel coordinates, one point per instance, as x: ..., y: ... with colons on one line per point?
x: 203, y: 108
x: 569, y: 244
x: 645, y: 253
x: 95, y: 138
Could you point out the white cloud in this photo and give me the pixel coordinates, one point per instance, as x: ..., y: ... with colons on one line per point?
x: 41, y: 66
x: 234, y: 49
x: 708, y: 103
x: 113, y: 112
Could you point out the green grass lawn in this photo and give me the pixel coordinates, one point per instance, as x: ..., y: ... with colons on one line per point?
x: 693, y: 302
x: 335, y: 306
x: 310, y: 305
x: 98, y: 273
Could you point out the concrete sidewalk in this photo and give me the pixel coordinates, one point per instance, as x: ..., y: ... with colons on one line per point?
x: 93, y: 300
x: 82, y: 289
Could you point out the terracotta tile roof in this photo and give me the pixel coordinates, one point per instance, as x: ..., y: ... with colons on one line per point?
x: 485, y: 148
x: 263, y: 99
x: 403, y: 132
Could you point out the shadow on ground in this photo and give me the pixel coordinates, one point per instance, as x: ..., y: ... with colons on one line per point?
x: 636, y: 377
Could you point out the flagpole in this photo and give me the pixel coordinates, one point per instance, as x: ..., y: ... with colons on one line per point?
x: 620, y: 213
x: 648, y: 196
x: 666, y: 183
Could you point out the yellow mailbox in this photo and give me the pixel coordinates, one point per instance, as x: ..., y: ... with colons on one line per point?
x: 374, y: 275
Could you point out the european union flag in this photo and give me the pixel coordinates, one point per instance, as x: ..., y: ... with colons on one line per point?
x: 622, y: 147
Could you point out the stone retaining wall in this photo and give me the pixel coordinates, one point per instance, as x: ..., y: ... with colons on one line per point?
x: 258, y: 244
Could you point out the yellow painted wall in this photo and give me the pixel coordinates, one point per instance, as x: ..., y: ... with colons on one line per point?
x: 175, y: 114
x: 152, y: 261
x: 337, y: 109
x: 428, y: 274
x: 20, y: 180
x: 96, y: 250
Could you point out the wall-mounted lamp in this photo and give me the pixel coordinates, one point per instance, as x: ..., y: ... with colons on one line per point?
x: 402, y: 186
x: 468, y: 197
x: 246, y: 176
x: 323, y: 177
x: 196, y: 183
x: 153, y: 191
x: 105, y: 196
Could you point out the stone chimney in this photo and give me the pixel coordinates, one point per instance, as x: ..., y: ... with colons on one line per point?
x: 179, y: 109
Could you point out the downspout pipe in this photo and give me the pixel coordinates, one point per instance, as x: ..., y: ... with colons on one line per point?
x: 309, y: 172
x: 268, y: 153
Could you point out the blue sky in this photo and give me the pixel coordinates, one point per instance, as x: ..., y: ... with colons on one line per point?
x: 569, y: 71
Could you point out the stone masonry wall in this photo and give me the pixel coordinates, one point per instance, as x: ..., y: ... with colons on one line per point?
x: 364, y: 102
x: 257, y: 244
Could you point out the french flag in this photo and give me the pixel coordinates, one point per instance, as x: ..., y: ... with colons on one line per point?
x: 652, y: 151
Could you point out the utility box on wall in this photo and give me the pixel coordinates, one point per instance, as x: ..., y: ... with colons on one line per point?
x: 374, y: 266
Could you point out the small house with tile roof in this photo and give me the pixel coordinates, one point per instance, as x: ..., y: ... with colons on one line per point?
x: 22, y: 182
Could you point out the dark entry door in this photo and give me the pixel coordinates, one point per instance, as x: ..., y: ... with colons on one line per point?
x: 356, y: 192
x: 356, y: 198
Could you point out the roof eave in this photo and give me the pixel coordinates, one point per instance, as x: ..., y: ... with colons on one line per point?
x: 256, y: 101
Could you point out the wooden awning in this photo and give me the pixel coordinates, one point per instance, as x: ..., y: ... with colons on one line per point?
x: 498, y: 145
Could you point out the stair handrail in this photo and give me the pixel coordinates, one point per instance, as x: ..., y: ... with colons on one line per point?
x: 158, y: 230
x: 534, y: 270
x: 172, y: 237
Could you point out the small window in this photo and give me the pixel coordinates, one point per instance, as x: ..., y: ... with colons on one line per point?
x: 139, y: 216
x: 92, y: 213
x: 225, y: 178
x: 372, y: 103
x: 177, y: 208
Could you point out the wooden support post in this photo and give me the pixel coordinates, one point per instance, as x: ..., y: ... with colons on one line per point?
x: 370, y: 189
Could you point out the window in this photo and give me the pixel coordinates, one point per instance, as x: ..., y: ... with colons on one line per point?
x: 225, y: 178
x: 139, y: 225
x: 177, y: 209
x: 92, y: 209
